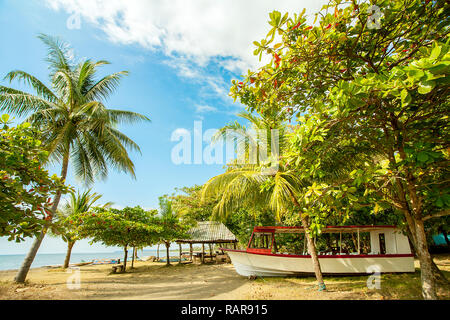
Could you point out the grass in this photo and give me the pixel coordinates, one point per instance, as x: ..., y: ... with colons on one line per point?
x: 400, y: 286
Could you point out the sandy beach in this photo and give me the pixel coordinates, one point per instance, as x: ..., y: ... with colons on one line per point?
x: 152, y: 280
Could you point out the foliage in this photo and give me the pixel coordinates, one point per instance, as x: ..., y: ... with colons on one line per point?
x: 73, y: 120
x: 376, y: 96
x: 26, y: 189
x: 188, y: 205
x: 71, y: 114
x: 173, y: 227
x: 77, y: 203
x: 371, y: 103
x: 113, y: 227
x: 242, y: 222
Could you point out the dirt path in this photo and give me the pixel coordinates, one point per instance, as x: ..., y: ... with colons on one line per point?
x: 146, y: 281
x: 194, y: 282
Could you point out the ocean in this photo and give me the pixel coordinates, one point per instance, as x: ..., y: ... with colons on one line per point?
x: 13, y: 261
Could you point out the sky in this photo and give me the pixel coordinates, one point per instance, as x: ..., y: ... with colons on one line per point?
x: 181, y: 56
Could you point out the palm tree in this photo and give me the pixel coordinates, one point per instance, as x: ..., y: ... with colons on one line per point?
x: 169, y: 218
x: 78, y: 203
x: 253, y: 184
x: 75, y: 123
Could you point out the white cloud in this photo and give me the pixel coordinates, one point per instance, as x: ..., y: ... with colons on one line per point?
x: 193, y: 34
x: 196, y: 29
x: 205, y: 108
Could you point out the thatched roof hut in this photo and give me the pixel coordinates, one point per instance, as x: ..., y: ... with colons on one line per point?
x: 208, y: 232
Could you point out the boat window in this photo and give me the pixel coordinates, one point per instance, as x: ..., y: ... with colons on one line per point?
x: 382, y: 242
x: 290, y: 243
x: 365, y: 243
x: 261, y: 241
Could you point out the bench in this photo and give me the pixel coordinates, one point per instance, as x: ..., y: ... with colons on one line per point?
x: 198, y: 255
x: 119, y: 266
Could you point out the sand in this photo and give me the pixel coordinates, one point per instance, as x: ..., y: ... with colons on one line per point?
x: 152, y: 280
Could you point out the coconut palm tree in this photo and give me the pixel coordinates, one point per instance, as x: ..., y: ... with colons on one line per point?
x: 256, y: 143
x: 169, y: 218
x: 75, y: 123
x: 259, y: 183
x: 77, y: 203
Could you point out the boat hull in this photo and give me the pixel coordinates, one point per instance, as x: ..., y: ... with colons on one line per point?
x: 273, y: 265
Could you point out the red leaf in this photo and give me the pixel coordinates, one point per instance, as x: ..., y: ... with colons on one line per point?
x: 277, y: 58
x: 296, y: 26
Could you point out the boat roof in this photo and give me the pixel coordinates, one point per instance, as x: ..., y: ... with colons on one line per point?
x: 327, y: 229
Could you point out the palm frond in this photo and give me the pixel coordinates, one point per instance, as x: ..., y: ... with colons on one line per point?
x: 58, y: 55
x: 20, y: 103
x: 105, y: 86
x: 121, y: 116
x: 40, y: 89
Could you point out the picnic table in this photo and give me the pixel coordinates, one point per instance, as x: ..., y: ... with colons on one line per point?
x: 118, y: 267
x: 203, y: 256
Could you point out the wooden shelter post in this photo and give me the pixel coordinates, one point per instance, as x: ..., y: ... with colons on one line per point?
x: 190, y: 251
x: 180, y: 252
x: 210, y: 252
x: 359, y: 246
x: 203, y: 253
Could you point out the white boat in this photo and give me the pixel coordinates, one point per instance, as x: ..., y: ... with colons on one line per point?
x: 389, y: 253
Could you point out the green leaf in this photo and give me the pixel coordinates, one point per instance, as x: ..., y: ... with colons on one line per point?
x: 422, y: 156
x: 426, y: 86
x: 435, y: 52
x: 406, y: 97
x: 5, y: 118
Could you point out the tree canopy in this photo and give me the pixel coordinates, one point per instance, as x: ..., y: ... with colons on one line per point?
x: 129, y: 227
x: 26, y: 189
x: 370, y: 99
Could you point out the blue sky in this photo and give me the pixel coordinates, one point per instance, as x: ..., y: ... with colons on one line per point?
x: 181, y: 56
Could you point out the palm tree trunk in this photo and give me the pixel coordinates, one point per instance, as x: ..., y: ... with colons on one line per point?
x: 134, y: 255
x: 313, y: 252
x: 167, y: 252
x: 70, y: 245
x: 125, y: 257
x: 311, y: 245
x: 26, y: 264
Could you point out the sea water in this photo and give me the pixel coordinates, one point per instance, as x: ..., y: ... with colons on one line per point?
x: 14, y: 261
